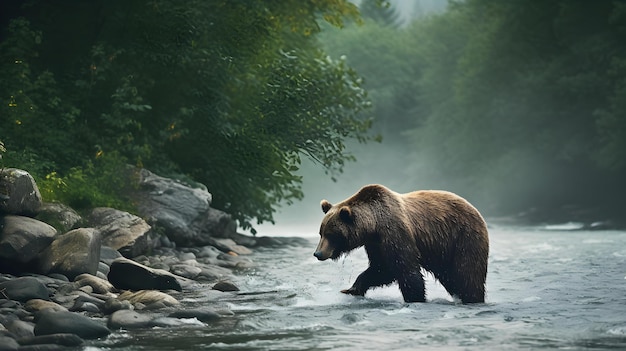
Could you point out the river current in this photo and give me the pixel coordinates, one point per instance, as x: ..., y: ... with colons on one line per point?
x: 547, y: 288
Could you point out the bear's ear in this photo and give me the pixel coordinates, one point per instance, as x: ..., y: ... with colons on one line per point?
x: 326, y: 206
x: 345, y: 213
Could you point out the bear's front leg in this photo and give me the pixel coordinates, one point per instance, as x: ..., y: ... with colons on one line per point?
x: 369, y: 278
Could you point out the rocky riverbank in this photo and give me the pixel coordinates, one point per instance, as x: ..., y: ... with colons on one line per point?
x: 66, y: 278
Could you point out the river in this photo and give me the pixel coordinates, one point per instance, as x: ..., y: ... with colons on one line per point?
x: 547, y: 288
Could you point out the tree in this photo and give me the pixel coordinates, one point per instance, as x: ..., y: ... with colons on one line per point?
x: 524, y: 107
x: 231, y: 94
x: 516, y: 105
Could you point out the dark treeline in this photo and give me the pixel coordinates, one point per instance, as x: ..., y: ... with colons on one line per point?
x: 517, y: 105
x: 227, y: 93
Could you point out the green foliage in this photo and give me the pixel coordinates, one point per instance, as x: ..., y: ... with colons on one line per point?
x: 231, y: 93
x: 30, y: 97
x: 100, y: 183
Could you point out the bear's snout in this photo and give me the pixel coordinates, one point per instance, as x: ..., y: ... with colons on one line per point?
x: 319, y: 255
x: 324, y: 250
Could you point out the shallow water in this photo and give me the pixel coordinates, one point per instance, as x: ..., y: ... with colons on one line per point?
x: 546, y: 289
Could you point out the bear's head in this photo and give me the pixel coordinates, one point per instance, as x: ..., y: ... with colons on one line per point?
x: 337, y: 232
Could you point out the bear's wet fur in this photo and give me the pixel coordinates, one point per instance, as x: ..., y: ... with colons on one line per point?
x: 431, y: 229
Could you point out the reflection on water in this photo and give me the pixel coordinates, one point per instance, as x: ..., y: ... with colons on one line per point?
x: 547, y: 289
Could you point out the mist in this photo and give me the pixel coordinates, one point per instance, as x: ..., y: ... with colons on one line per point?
x: 510, y: 114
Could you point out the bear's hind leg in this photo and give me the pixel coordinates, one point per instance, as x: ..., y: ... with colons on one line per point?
x: 470, y: 290
x: 461, y: 285
x: 467, y: 285
x: 371, y: 277
x: 412, y: 287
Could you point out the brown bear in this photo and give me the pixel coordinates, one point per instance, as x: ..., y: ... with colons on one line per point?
x: 435, y: 230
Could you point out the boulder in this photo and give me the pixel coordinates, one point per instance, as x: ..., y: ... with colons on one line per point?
x: 186, y: 270
x: 7, y: 343
x: 112, y: 305
x: 148, y: 297
x: 228, y: 245
x: 23, y: 289
x: 202, y: 314
x: 269, y: 241
x: 108, y: 255
x: 63, y: 322
x: 225, y: 286
x: 60, y: 216
x: 20, y: 329
x: 98, y: 285
x: 36, y: 305
x: 122, y: 231
x: 213, y: 272
x: 128, y: 319
x: 126, y: 274
x: 73, y: 253
x: 19, y: 193
x: 68, y: 340
x: 21, y: 239
x: 182, y: 211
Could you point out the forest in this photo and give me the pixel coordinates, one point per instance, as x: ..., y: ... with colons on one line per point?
x: 517, y: 105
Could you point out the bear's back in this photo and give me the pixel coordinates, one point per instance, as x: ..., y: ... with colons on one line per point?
x: 439, y: 219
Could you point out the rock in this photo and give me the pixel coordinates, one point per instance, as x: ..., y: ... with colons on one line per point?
x: 213, y: 224
x: 61, y: 322
x: 23, y: 289
x: 122, y: 231
x: 225, y: 286
x: 268, y: 241
x: 69, y: 340
x: 87, y: 302
x: 108, y: 255
x: 208, y: 252
x: 73, y: 253
x: 211, y: 273
x: 100, y: 286
x: 103, y: 268
x: 7, y: 343
x: 21, y: 239
x: 6, y: 303
x: 112, y: 305
x: 185, y: 270
x: 148, y: 297
x: 187, y: 256
x: 37, y: 305
x: 201, y: 314
x: 183, y: 212
x: 60, y: 216
x: 58, y: 276
x: 228, y: 245
x: 129, y: 275
x: 127, y: 319
x: 231, y: 261
x: 19, y: 193
x: 83, y: 306
x: 20, y: 329
x: 242, y: 239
